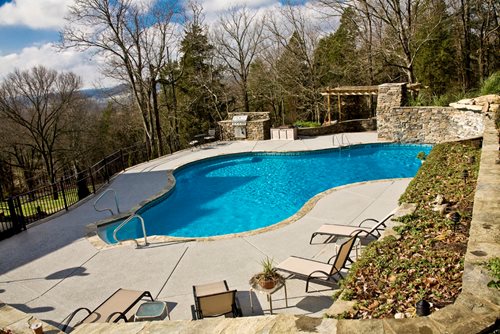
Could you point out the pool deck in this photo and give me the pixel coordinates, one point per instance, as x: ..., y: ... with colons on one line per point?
x: 52, y: 269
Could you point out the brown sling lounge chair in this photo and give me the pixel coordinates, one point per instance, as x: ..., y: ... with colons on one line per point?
x: 112, y: 309
x: 213, y: 300
x: 333, y: 230
x: 319, y: 271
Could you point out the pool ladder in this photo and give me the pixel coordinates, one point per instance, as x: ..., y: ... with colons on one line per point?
x: 107, y: 209
x: 126, y: 221
x: 129, y: 219
x: 342, y: 140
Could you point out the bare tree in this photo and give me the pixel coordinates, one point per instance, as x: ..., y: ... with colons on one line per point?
x: 237, y: 38
x: 36, y: 101
x: 295, y: 38
x: 392, y: 28
x: 133, y: 37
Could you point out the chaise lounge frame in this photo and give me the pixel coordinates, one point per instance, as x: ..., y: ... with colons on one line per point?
x: 117, y: 305
x: 321, y: 272
x: 335, y: 230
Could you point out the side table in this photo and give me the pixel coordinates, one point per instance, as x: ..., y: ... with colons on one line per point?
x: 268, y: 293
x: 150, y: 311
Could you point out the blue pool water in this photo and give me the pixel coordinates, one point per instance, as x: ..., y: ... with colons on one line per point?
x: 245, y: 192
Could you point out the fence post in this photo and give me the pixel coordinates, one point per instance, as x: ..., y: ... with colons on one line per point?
x: 20, y: 215
x: 61, y: 183
x: 121, y: 159
x: 106, y: 172
x: 12, y: 212
x: 92, y: 180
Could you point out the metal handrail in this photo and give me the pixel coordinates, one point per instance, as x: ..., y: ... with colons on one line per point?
x: 125, y: 222
x: 341, y: 139
x: 107, y: 209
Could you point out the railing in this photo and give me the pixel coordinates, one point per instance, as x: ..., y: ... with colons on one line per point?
x: 342, y: 140
x: 107, y: 209
x: 129, y: 219
x: 19, y: 211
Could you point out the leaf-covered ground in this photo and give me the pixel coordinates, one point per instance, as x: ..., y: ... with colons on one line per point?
x: 427, y: 261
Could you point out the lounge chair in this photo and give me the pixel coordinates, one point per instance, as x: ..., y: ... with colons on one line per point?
x: 334, y: 230
x: 213, y: 300
x: 112, y: 309
x: 312, y: 270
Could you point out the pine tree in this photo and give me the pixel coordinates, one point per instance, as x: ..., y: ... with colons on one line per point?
x: 337, y: 55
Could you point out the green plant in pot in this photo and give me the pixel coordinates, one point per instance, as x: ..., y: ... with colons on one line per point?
x: 268, y: 277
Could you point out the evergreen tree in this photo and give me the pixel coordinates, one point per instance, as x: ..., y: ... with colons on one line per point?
x: 435, y: 64
x: 193, y: 89
x: 337, y: 55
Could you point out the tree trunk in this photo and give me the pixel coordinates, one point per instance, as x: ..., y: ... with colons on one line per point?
x: 157, y: 117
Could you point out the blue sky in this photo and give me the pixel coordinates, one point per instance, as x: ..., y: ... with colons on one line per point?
x: 30, y: 28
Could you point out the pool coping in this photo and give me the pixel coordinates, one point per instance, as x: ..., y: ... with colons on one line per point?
x: 92, y: 229
x: 100, y: 244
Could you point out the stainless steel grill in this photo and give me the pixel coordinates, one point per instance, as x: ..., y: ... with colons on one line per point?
x: 240, y: 126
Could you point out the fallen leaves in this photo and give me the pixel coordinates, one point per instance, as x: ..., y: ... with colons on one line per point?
x: 427, y: 261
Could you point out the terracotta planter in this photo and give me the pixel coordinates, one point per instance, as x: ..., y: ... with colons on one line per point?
x: 267, y: 284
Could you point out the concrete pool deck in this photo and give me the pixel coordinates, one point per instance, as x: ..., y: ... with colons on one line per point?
x: 52, y: 269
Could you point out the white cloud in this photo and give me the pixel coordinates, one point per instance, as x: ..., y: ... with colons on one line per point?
x: 47, y: 55
x: 214, y: 6
x: 36, y: 14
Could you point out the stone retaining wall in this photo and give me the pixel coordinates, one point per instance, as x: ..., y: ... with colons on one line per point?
x: 431, y: 125
x: 354, y: 125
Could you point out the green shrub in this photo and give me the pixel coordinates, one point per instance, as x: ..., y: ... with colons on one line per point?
x: 425, y: 98
x: 491, y: 85
x: 306, y: 124
x: 494, y: 266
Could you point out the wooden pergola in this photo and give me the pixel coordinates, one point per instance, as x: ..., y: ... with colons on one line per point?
x: 346, y: 91
x: 354, y: 91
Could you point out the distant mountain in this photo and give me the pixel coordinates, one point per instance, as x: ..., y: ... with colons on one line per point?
x: 102, y: 95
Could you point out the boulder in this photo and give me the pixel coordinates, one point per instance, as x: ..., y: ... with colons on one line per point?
x: 492, y: 98
x: 494, y: 107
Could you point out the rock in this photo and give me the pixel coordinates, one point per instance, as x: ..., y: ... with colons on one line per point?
x: 440, y: 208
x: 399, y: 316
x: 458, y: 106
x: 492, y: 98
x: 471, y: 107
x: 486, y: 107
x: 494, y: 107
x: 439, y: 199
x: 467, y: 101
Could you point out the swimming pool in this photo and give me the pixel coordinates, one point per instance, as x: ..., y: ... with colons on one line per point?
x: 243, y: 192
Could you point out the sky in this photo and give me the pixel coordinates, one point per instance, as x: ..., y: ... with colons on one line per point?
x: 29, y: 31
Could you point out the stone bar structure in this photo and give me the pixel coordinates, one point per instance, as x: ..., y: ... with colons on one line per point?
x: 258, y: 126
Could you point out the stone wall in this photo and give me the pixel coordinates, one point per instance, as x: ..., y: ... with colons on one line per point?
x: 258, y: 126
x: 354, y: 125
x: 431, y: 124
x: 389, y: 96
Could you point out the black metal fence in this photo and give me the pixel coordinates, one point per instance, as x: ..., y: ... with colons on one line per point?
x: 19, y: 211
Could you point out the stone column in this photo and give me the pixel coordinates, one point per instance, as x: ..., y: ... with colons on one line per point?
x: 390, y: 95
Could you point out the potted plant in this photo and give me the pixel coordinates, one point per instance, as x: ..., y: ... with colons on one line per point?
x: 268, y: 277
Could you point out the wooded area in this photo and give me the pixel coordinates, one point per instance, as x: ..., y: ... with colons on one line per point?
x: 183, y: 75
